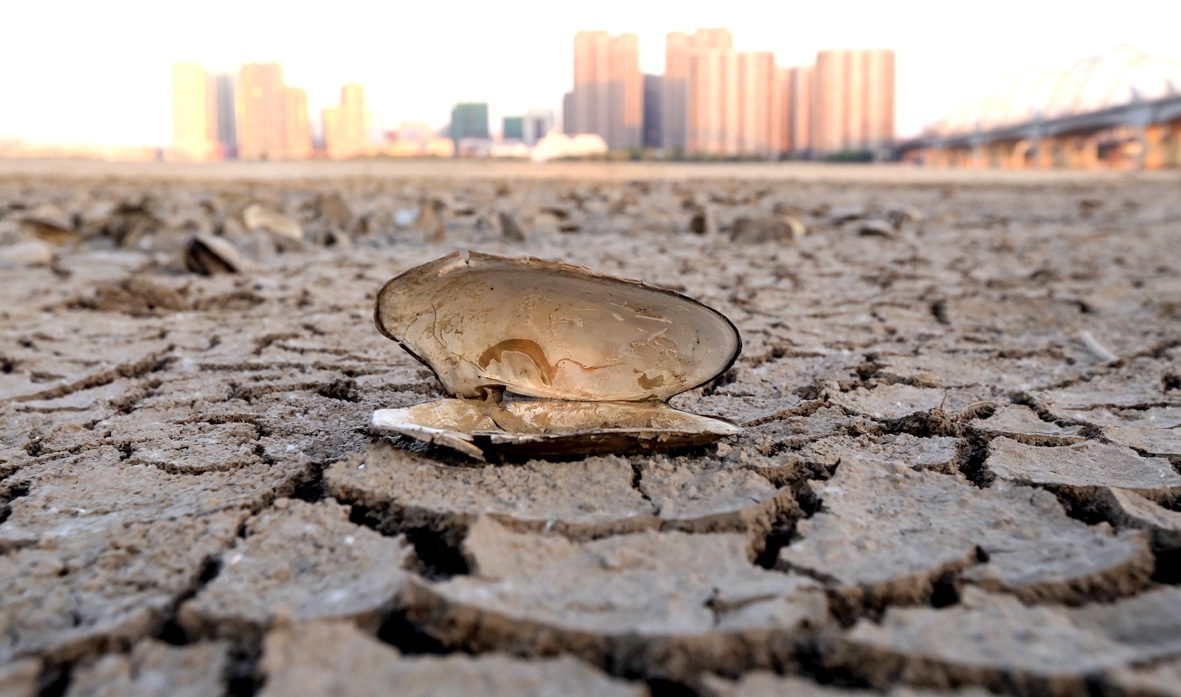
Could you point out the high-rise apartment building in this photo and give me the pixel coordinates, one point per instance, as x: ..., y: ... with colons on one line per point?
x: 297, y: 125
x: 626, y: 124
x: 653, y: 120
x: 760, y: 106
x: 796, y: 86
x: 879, y: 98
x: 260, y: 105
x: 608, y: 88
x: 194, y: 113
x: 469, y: 120
x: 709, y: 100
x: 590, y: 107
x: 854, y: 101
x: 678, y: 48
x: 347, y: 126
x: 674, y: 102
x: 227, y: 130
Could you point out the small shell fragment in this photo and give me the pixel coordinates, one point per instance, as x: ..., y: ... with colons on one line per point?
x: 258, y: 218
x: 208, y: 255
x: 598, y: 355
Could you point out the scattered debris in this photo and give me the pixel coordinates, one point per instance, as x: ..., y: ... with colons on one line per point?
x: 331, y: 208
x: 136, y: 296
x: 1098, y: 349
x: 405, y: 217
x: 509, y: 228
x: 876, y: 227
x: 51, y: 232
x: 27, y: 253
x: 782, y: 229
x: 49, y: 223
x: 900, y: 215
x: 840, y: 216
x: 430, y: 221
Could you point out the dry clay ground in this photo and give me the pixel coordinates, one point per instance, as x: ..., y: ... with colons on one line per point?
x: 959, y: 472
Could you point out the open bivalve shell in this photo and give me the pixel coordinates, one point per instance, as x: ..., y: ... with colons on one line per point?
x: 597, y: 356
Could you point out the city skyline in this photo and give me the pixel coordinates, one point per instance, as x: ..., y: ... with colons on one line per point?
x: 711, y: 100
x: 414, y: 68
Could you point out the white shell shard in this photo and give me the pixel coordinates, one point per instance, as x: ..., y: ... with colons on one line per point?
x: 599, y: 355
x: 522, y: 429
x: 545, y: 329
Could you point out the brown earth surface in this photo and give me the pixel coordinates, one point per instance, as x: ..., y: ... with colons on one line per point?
x: 960, y: 472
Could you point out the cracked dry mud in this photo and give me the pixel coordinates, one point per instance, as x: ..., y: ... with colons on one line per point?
x: 942, y: 487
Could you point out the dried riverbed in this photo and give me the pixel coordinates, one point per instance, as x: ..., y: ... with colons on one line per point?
x: 960, y: 470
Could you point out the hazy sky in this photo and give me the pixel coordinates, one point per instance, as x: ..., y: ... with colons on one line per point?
x: 98, y: 72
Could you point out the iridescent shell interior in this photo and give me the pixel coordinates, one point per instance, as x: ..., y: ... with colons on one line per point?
x: 550, y: 330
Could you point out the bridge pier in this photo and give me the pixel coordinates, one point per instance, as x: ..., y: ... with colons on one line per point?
x: 1153, y: 147
x: 1160, y: 146
x: 978, y: 159
x: 1077, y: 152
x: 1013, y: 155
x: 1172, y: 145
x: 1022, y: 155
x: 998, y: 155
x: 1043, y: 153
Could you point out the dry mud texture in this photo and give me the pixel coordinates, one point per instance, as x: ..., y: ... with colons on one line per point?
x: 959, y: 474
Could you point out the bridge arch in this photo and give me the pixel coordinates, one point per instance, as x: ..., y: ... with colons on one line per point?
x: 1116, y: 77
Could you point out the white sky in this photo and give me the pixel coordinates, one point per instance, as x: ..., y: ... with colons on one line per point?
x: 98, y: 72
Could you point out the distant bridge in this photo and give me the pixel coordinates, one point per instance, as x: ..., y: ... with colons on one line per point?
x: 1121, y: 109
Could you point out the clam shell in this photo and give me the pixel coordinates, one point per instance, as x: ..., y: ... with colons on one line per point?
x: 598, y: 355
x: 521, y: 430
x: 550, y: 330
